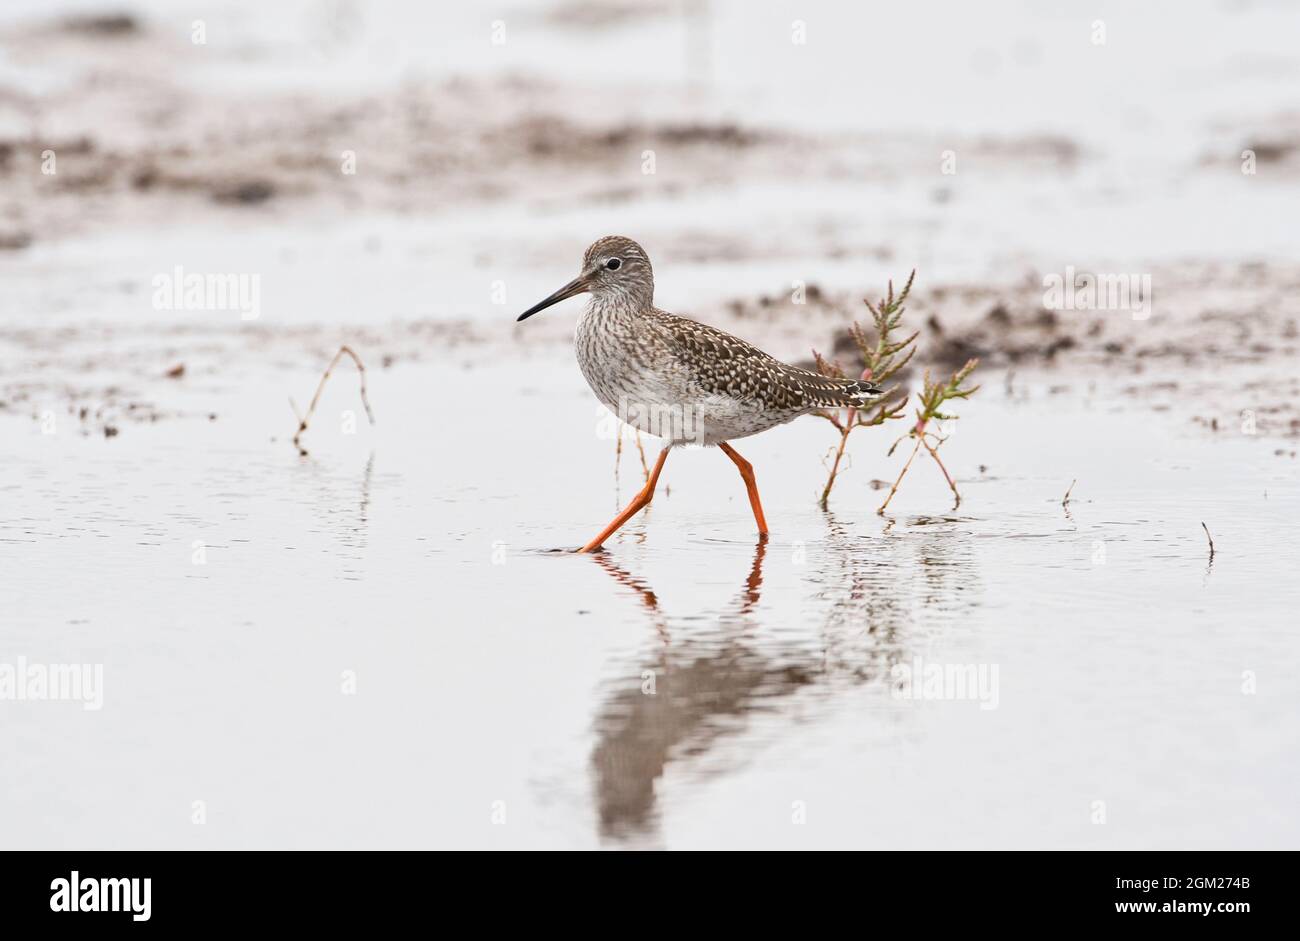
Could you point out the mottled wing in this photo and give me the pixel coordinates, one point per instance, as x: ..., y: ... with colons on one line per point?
x: 717, y: 363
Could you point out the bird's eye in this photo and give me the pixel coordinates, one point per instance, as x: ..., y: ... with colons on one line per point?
x: 614, y: 264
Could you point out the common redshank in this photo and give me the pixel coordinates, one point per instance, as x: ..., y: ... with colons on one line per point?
x: 678, y: 379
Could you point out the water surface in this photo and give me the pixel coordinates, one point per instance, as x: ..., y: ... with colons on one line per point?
x: 497, y: 679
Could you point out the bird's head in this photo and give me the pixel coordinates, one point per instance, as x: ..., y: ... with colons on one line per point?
x: 614, y: 269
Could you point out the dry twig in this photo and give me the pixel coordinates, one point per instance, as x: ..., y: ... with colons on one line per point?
x: 618, y: 455
x: 311, y: 409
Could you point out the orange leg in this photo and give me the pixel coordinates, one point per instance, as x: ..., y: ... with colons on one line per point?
x: 639, y: 503
x: 747, y: 472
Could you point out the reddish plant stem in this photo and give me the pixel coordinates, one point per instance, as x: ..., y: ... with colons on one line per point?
x: 946, y: 476
x: 851, y: 417
x: 894, y: 489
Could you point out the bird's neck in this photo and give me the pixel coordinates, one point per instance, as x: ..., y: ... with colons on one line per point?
x: 616, y: 305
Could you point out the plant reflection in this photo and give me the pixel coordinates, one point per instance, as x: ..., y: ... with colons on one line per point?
x: 698, y: 687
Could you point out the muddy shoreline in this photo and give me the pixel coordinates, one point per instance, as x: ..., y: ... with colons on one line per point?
x: 131, y: 146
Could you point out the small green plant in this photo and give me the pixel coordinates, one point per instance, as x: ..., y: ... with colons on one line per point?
x: 884, y: 357
x: 933, y: 396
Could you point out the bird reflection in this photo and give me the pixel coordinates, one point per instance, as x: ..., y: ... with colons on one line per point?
x: 685, y: 697
x: 693, y: 691
x: 745, y: 604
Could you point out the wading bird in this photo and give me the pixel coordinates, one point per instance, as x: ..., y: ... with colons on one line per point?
x: 681, y: 380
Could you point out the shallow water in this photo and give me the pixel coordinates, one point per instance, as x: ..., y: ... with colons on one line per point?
x: 419, y: 555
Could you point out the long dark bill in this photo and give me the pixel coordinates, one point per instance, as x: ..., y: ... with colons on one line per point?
x: 578, y: 285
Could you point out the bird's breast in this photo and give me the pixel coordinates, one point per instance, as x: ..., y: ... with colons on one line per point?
x: 617, y: 357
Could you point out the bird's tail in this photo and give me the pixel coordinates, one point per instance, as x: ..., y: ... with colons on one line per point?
x: 827, y: 392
